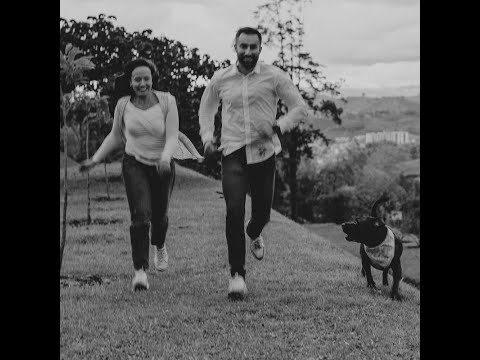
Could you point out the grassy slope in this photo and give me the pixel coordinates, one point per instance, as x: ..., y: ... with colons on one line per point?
x: 306, y: 299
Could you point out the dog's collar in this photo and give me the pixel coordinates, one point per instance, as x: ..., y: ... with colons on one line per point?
x: 382, y: 254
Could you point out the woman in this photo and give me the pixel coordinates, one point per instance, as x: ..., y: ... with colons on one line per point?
x: 146, y: 121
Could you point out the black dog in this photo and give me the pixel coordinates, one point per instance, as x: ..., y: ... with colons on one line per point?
x: 380, y: 247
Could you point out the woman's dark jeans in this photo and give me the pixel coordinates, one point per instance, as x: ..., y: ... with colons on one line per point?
x: 148, y: 196
x: 237, y: 179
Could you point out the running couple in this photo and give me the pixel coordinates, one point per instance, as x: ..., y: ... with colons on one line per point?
x: 249, y: 91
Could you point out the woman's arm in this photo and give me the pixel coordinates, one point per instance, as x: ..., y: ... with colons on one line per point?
x: 171, y: 130
x: 113, y: 139
x: 111, y: 142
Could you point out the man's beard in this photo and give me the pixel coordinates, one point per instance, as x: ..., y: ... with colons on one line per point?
x: 249, y: 64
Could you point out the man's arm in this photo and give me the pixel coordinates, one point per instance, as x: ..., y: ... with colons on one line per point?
x: 289, y: 94
x: 208, y: 109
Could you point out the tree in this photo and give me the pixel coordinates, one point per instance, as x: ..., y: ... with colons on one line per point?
x: 96, y: 108
x: 109, y: 46
x: 72, y: 68
x: 105, y: 127
x: 282, y: 28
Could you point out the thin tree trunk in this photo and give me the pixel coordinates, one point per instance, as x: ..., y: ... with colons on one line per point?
x: 292, y: 180
x: 282, y: 35
x: 89, y: 218
x: 65, y: 189
x: 106, y: 178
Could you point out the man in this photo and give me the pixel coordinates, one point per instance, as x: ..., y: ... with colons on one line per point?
x: 249, y: 91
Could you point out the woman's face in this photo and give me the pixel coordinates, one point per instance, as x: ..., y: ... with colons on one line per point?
x: 141, y: 81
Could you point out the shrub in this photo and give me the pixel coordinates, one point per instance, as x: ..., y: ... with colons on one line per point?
x: 411, y: 216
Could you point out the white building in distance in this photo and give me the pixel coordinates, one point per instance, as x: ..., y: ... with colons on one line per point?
x: 398, y: 137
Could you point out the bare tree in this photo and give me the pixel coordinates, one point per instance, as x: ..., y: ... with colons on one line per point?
x: 282, y: 29
x: 72, y: 70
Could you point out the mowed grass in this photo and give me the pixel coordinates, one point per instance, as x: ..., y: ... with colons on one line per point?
x: 306, y: 300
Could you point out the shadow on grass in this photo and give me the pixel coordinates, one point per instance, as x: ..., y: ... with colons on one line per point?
x: 412, y: 282
x: 106, y: 198
x: 100, y: 221
x: 89, y: 280
x: 111, y: 179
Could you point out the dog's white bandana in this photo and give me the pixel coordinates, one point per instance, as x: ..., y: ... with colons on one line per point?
x: 382, y: 254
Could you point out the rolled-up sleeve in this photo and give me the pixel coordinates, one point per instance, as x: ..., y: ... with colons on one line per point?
x: 208, y: 108
x: 289, y: 94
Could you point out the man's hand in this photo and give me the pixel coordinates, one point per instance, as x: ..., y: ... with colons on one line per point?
x: 87, y: 165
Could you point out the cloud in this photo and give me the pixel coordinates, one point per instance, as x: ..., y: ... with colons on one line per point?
x: 351, y: 32
x: 388, y: 2
x: 368, y: 42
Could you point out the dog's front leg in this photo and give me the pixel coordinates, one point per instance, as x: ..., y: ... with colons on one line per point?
x: 385, y: 277
x: 368, y: 271
x: 397, y: 276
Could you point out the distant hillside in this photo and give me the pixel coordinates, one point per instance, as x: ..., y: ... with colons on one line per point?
x: 363, y: 104
x: 363, y: 114
x: 394, y: 105
x: 407, y: 90
x: 410, y: 167
x: 414, y: 98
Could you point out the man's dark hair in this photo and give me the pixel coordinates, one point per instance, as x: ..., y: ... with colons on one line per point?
x: 249, y: 31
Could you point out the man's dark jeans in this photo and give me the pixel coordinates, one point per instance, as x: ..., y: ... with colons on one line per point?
x: 148, y: 196
x: 237, y: 179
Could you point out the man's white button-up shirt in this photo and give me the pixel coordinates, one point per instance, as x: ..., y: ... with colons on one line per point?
x: 247, y: 101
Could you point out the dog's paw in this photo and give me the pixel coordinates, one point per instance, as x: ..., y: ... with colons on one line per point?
x: 372, y: 286
x: 385, y: 283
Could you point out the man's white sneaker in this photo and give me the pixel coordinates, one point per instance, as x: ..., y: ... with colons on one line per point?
x: 257, y: 247
x: 160, y: 259
x: 237, y: 288
x: 140, y: 281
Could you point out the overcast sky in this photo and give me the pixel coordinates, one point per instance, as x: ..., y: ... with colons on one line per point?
x: 374, y: 45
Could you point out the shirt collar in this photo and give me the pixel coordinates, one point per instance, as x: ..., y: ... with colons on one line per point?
x: 256, y: 69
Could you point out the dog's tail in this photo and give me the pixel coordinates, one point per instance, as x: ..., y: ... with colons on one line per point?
x: 382, y: 199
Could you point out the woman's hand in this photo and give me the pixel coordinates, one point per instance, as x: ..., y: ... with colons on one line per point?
x: 87, y: 165
x: 163, y: 168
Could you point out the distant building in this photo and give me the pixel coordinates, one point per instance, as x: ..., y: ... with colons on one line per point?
x: 398, y: 137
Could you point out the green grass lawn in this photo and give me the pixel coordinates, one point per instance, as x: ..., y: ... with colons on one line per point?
x: 306, y: 300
